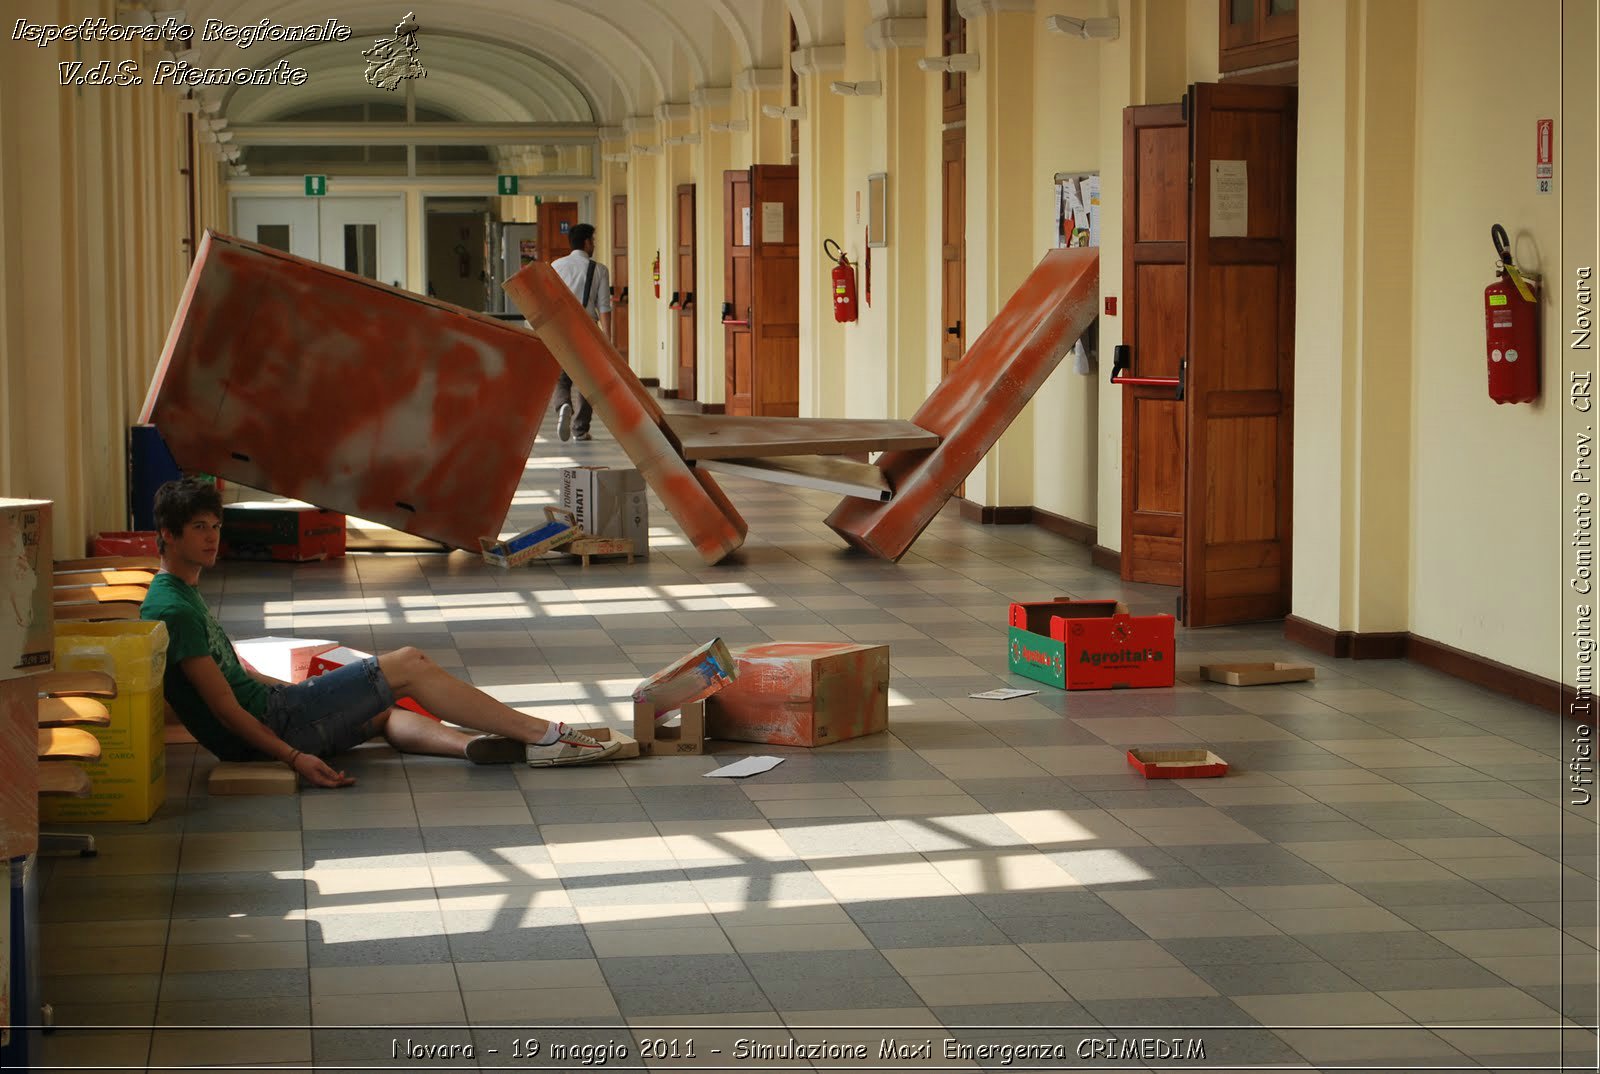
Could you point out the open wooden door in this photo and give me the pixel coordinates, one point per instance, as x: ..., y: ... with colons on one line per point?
x: 1239, y: 393
x: 953, y: 250
x: 1155, y: 286
x: 556, y: 220
x: 775, y: 290
x: 619, y: 273
x: 736, y: 294
x: 684, y: 280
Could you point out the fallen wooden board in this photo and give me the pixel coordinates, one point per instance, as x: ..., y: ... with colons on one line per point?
x: 67, y: 744
x: 99, y: 594
x: 316, y: 384
x: 64, y: 781
x: 150, y: 564
x: 68, y: 579
x: 720, y: 436
x: 978, y: 401
x: 75, y: 684
x: 822, y: 472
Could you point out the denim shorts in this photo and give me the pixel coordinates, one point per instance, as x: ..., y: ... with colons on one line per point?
x: 330, y: 713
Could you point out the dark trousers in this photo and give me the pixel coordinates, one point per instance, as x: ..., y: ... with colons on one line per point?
x: 584, y: 412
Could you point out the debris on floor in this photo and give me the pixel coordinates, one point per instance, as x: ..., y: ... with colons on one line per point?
x: 1257, y: 674
x: 803, y: 693
x: 1176, y: 764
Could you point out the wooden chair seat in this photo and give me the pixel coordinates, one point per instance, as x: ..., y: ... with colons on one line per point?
x: 67, y: 744
x: 103, y: 577
x: 75, y: 684
x: 64, y: 781
x: 109, y: 563
x: 96, y: 612
x: 99, y: 594
x: 72, y: 712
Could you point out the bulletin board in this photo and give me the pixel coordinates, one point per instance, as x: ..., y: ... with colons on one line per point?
x: 1077, y: 216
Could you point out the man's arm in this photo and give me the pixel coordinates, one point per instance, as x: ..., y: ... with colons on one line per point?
x: 264, y: 680
x: 605, y: 324
x: 209, y: 682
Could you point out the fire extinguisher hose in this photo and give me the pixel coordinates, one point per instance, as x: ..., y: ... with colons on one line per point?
x: 836, y: 254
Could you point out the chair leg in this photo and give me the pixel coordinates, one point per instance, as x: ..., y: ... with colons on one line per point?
x: 60, y: 843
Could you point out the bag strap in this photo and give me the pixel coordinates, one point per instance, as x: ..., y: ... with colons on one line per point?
x: 588, y: 284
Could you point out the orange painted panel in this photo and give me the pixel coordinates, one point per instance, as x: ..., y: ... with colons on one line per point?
x: 975, y: 403
x: 803, y: 693
x: 316, y: 384
x: 693, y: 498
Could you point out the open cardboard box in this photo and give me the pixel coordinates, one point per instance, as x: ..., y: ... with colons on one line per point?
x: 1090, y: 645
x: 1257, y: 674
x: 1176, y: 764
x: 687, y: 736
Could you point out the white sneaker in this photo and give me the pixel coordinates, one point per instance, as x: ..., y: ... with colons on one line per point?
x: 564, y: 421
x: 573, y: 747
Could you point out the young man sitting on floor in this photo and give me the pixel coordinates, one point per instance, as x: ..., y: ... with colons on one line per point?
x: 243, y: 716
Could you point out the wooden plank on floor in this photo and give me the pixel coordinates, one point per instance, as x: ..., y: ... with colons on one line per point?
x: 822, y: 472
x: 719, y: 436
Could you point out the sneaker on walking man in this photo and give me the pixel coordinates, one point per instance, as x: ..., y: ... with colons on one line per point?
x: 591, y: 283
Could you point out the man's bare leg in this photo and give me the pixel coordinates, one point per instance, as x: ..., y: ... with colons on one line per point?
x: 412, y: 674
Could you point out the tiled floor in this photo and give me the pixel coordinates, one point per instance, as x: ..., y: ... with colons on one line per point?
x: 1385, y: 855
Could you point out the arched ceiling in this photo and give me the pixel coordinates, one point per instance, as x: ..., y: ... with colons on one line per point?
x: 537, y: 61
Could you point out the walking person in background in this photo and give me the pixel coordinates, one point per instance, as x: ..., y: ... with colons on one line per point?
x: 591, y: 282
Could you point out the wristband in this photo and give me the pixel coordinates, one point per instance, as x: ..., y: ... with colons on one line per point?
x: 291, y: 759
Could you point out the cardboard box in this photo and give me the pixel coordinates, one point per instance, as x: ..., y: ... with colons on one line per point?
x: 515, y: 551
x: 19, y: 768
x: 1257, y: 674
x: 26, y: 581
x: 329, y: 659
x: 285, y: 530
x: 608, y: 503
x: 124, y: 543
x: 130, y: 779
x: 288, y: 659
x: 1177, y: 764
x: 1090, y: 645
x: 687, y: 736
x: 252, y: 778
x: 806, y: 693
x: 693, y: 678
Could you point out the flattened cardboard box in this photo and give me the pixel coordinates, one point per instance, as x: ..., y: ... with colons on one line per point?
x: 608, y: 503
x: 806, y: 693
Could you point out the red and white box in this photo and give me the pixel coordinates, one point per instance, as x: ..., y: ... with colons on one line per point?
x: 285, y: 659
x: 327, y: 661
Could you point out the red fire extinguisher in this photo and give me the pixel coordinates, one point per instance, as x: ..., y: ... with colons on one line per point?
x: 844, y: 282
x: 1511, y: 322
x: 655, y: 273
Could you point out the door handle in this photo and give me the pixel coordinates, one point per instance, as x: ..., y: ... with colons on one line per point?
x: 688, y: 299
x: 623, y: 298
x: 1122, y: 359
x: 675, y: 303
x: 956, y: 330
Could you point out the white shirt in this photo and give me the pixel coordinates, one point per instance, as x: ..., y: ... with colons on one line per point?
x: 573, y: 268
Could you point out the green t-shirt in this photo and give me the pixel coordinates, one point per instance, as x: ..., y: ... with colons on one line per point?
x: 193, y: 631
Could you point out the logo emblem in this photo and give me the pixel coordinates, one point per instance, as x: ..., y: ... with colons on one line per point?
x: 1120, y: 632
x: 392, y: 60
x: 1016, y: 649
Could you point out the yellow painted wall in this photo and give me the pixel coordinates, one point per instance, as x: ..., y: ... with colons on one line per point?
x: 1486, y: 506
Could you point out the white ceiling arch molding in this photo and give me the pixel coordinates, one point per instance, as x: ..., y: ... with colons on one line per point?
x: 570, y: 36
x: 816, y: 22
x: 743, y: 20
x: 469, y: 80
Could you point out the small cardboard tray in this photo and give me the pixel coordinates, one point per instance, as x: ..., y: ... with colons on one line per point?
x: 1257, y: 674
x: 1177, y: 764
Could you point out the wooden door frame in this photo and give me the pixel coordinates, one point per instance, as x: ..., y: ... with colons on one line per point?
x: 686, y: 247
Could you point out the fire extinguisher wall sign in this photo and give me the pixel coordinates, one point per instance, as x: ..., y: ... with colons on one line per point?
x: 1511, y: 325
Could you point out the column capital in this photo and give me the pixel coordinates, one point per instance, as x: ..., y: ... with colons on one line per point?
x: 711, y: 97
x: 638, y: 123
x: 976, y: 9
x: 897, y: 33
x: 670, y: 110
x: 818, y: 59
x: 759, y: 78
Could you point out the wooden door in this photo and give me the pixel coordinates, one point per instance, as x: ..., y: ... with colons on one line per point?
x: 775, y: 290
x: 1241, y: 354
x: 556, y: 220
x: 684, y: 282
x: 953, y: 246
x: 736, y: 294
x: 1155, y: 287
x: 619, y: 273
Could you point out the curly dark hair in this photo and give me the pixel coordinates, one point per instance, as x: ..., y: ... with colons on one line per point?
x: 177, y: 502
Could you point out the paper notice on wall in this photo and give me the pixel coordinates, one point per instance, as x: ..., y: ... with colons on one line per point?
x: 1230, y: 199
x: 1091, y: 199
x: 772, y: 221
x: 744, y: 226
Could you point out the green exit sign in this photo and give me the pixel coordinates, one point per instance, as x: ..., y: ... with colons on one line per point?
x: 508, y: 184
x: 316, y: 186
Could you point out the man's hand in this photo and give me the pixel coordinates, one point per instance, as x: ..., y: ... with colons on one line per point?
x: 317, y: 772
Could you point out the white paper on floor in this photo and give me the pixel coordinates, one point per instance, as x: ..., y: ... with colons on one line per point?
x: 1002, y: 695
x: 750, y: 766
